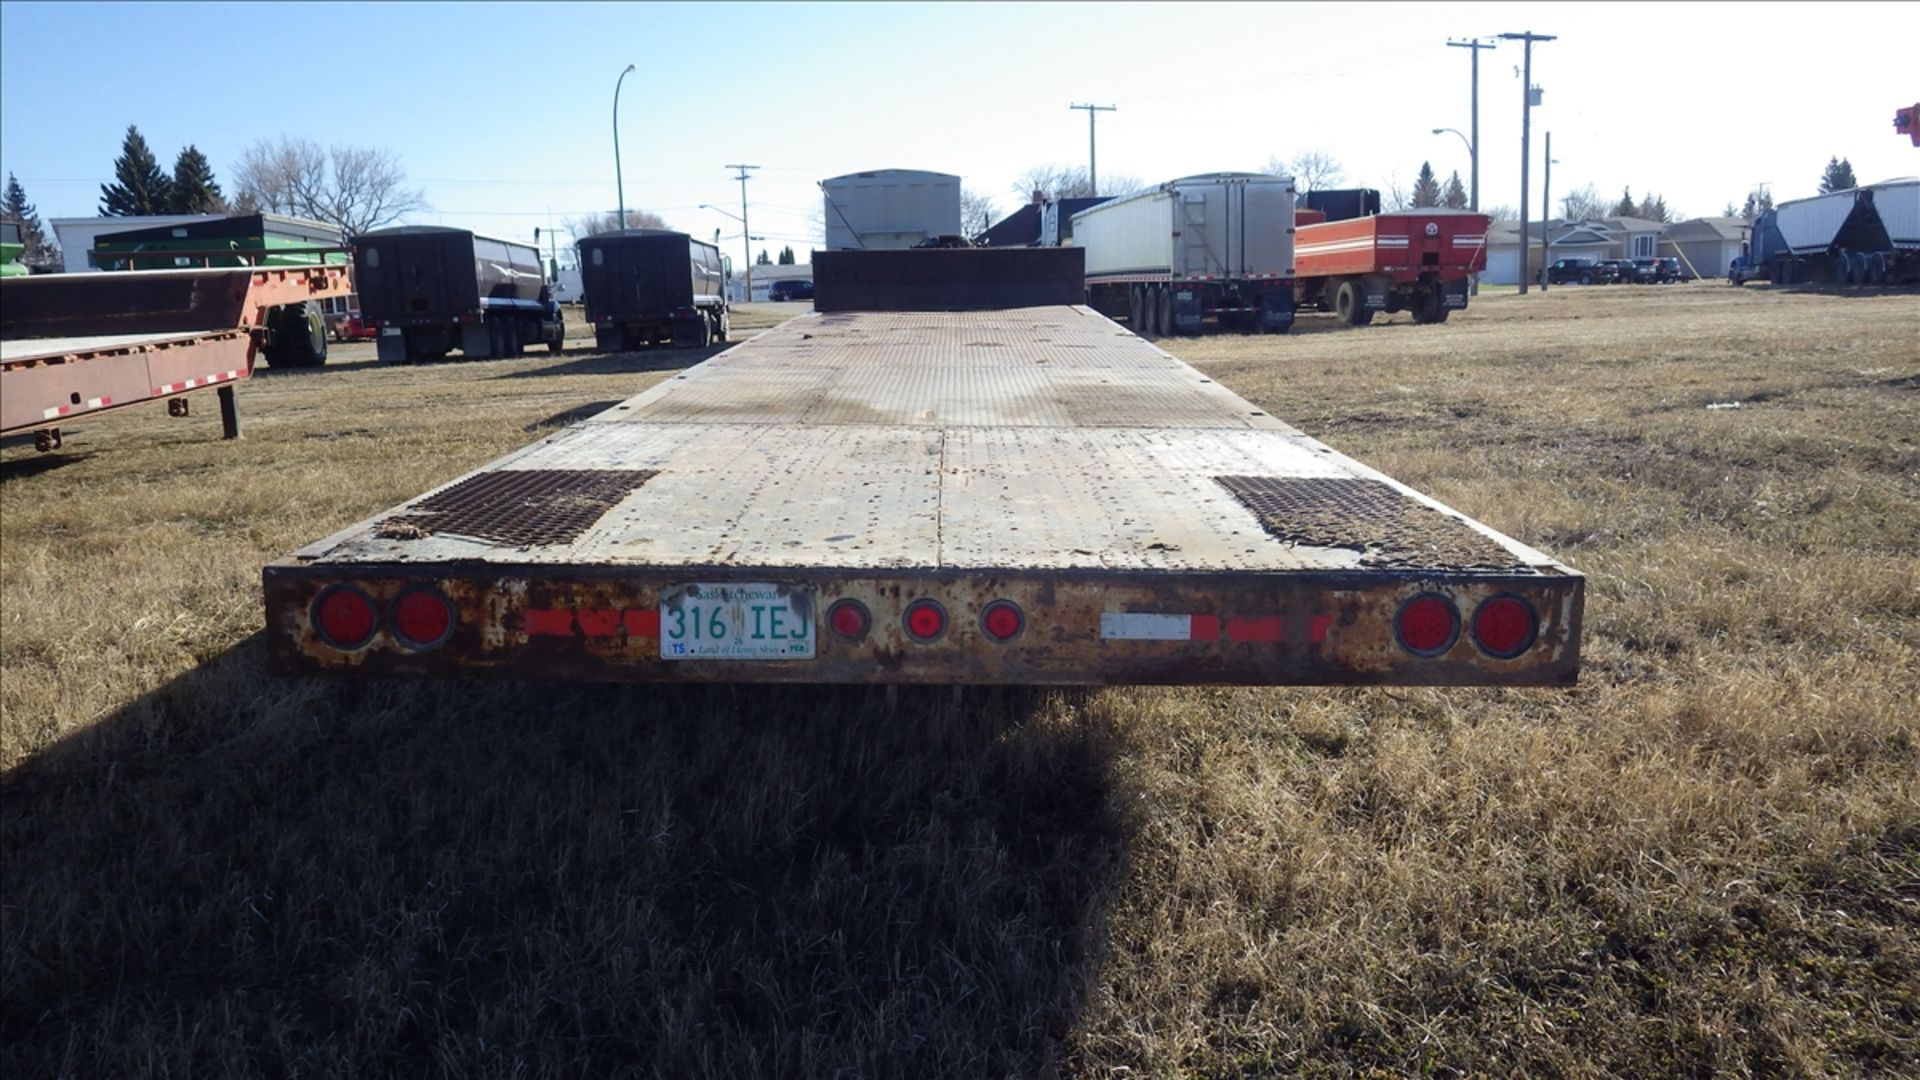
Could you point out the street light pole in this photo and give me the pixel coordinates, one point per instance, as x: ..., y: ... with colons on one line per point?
x: 1546, y: 216
x: 619, y: 186
x: 1473, y: 163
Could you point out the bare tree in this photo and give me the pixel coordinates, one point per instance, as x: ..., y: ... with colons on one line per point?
x: 1070, y: 182
x: 1503, y: 212
x: 609, y: 221
x: 357, y: 188
x: 1395, y: 194
x: 1584, y: 204
x: 1312, y: 170
x: 977, y: 211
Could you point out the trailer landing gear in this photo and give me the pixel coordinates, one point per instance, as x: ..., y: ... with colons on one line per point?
x: 46, y: 440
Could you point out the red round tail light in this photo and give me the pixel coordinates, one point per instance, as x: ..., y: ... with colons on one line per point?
x: 1427, y: 625
x: 1002, y: 620
x: 926, y: 620
x: 422, y: 618
x: 1505, y: 626
x: 848, y: 619
x: 344, y: 617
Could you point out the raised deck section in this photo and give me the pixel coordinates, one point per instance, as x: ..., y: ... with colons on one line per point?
x: 1040, y: 456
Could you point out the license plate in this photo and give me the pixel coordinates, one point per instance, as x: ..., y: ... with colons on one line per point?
x: 389, y: 331
x: 736, y: 621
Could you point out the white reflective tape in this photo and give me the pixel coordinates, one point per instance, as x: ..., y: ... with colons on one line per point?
x: 1135, y: 626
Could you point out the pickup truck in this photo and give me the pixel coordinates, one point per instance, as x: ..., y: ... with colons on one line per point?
x: 1579, y: 272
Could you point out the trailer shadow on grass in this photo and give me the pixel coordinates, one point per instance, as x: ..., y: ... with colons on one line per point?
x: 482, y: 879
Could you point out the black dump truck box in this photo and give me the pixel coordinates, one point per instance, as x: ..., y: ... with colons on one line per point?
x: 648, y: 286
x: 431, y: 289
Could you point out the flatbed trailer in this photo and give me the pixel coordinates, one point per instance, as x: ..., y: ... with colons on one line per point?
x: 1022, y: 496
x: 74, y: 345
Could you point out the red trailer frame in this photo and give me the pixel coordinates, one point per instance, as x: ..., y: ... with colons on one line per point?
x: 81, y: 344
x: 1408, y: 260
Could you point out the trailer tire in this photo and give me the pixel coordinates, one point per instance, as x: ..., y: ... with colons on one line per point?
x: 559, y: 334
x: 1163, y: 310
x: 725, y: 320
x: 303, y: 337
x: 1877, y: 268
x: 1350, y: 305
x: 1136, y: 305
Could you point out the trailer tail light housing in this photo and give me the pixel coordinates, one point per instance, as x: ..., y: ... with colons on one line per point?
x: 1505, y: 626
x: 849, y: 620
x: 344, y: 617
x: 421, y: 618
x: 925, y: 620
x: 1003, y: 620
x: 1427, y: 624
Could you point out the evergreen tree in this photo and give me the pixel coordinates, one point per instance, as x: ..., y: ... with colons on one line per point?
x: 1426, y: 187
x: 194, y: 189
x: 1654, y: 208
x: 1759, y: 201
x: 786, y: 255
x: 1625, y: 207
x: 16, y: 209
x: 1838, y: 176
x: 761, y: 259
x: 141, y: 188
x: 1456, y: 193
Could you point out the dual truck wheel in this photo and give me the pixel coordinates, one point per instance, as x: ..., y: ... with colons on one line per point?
x: 1150, y: 310
x: 1350, y: 304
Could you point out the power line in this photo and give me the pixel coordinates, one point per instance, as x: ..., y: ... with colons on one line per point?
x: 746, y: 238
x: 1526, y: 129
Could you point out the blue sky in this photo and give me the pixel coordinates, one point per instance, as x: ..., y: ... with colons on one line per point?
x: 502, y: 112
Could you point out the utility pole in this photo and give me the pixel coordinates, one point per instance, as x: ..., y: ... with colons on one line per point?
x: 1526, y: 130
x: 1476, y: 45
x: 746, y: 237
x: 1546, y: 215
x: 1093, y: 185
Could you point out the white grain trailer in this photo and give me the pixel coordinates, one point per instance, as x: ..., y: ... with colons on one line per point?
x: 1026, y: 495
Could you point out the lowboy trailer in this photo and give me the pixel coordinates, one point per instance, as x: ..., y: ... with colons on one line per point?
x: 75, y: 345
x: 1027, y: 495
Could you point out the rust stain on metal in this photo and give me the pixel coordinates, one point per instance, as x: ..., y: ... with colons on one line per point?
x: 530, y: 507
x: 1392, y: 530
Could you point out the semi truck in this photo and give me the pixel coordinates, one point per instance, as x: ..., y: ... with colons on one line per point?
x: 649, y: 286
x: 948, y: 473
x: 1408, y: 260
x: 296, y: 335
x: 1861, y: 236
x: 429, y: 290
x: 1217, y: 247
x: 77, y: 345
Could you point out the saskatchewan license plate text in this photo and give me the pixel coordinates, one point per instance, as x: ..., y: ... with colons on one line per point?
x: 736, y: 621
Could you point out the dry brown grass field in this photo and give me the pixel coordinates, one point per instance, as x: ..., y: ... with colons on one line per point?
x: 1705, y: 859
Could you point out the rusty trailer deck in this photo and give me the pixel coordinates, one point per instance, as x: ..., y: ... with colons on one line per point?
x: 1026, y: 496
x: 78, y: 344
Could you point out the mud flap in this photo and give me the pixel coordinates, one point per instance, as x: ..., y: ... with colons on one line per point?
x: 1453, y: 295
x: 1276, y: 310
x: 1189, y: 311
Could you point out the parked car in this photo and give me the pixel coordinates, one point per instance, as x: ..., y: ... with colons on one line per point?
x: 351, y: 327
x: 792, y: 289
x: 1579, y: 272
x: 1661, y: 271
x: 1618, y: 271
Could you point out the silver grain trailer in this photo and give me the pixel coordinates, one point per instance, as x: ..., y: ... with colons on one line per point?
x: 649, y: 286
x: 1216, y: 247
x: 889, y: 209
x: 868, y: 494
x: 430, y: 290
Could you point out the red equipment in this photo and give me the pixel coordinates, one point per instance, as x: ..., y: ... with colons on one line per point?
x: 1409, y: 260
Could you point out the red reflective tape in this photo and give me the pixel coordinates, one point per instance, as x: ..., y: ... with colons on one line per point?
x: 1317, y: 627
x: 1204, y: 628
x: 643, y: 623
x: 598, y: 623
x: 1254, y: 628
x: 548, y: 622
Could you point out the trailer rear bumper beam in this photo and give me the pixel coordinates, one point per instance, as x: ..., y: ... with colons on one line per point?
x: 1076, y: 628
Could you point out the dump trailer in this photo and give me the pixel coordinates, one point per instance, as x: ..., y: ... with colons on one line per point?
x: 296, y: 335
x: 429, y: 290
x: 870, y: 494
x: 1861, y: 236
x: 1214, y: 247
x: 1412, y: 260
x: 650, y: 286
x: 74, y: 345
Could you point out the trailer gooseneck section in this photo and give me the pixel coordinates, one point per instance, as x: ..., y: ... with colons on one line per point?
x: 1031, y: 495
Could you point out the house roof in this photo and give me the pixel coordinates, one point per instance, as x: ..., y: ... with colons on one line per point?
x: 1710, y: 228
